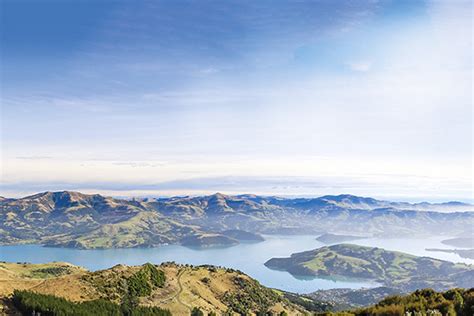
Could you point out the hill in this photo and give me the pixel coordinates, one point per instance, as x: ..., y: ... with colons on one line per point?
x: 170, y: 289
x: 242, y: 235
x: 73, y: 219
x: 209, y: 240
x: 391, y: 268
x: 422, y: 302
x: 169, y: 286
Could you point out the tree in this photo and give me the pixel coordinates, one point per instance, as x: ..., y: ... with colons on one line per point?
x: 196, y: 311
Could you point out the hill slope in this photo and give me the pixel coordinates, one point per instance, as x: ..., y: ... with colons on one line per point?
x: 71, y: 291
x: 177, y: 288
x: 394, y: 269
x: 422, y: 302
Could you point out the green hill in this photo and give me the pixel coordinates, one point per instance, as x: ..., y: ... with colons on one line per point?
x: 422, y: 302
x: 391, y: 268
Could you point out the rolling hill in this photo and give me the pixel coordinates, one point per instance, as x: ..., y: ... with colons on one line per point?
x: 177, y: 288
x: 73, y: 219
x: 170, y: 289
x: 391, y: 268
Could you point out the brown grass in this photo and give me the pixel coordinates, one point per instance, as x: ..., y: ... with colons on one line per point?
x: 185, y: 287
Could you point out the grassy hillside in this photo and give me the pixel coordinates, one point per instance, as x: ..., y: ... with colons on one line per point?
x: 394, y: 269
x: 177, y: 288
x: 171, y: 289
x: 422, y: 302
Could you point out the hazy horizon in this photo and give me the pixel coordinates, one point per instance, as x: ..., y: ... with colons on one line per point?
x: 371, y: 98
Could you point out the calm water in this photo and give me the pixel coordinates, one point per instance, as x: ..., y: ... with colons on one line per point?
x: 248, y: 258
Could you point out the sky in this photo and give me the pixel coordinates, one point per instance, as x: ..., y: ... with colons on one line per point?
x: 291, y: 98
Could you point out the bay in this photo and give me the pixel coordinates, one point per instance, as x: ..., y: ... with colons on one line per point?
x: 247, y: 257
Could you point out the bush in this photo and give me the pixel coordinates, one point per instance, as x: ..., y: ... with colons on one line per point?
x: 196, y: 311
x: 143, y: 282
x: 423, y: 302
x: 30, y: 303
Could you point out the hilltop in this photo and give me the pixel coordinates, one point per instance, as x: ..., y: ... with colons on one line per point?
x: 391, y: 268
x: 73, y: 219
x: 169, y: 286
x: 171, y: 289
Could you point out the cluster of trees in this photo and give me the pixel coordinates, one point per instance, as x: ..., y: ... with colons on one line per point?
x: 196, y: 311
x: 31, y: 303
x: 422, y: 302
x: 55, y: 271
x: 145, y: 280
x: 251, y: 296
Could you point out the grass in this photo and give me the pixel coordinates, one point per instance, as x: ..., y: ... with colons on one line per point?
x: 389, y: 267
x: 39, y: 271
x: 183, y: 288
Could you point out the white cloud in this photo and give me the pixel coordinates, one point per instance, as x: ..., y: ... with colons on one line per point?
x: 406, y: 123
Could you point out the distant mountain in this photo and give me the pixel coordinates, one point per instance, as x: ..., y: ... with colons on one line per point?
x: 73, y: 219
x: 391, y: 268
x: 243, y: 235
x: 347, y: 201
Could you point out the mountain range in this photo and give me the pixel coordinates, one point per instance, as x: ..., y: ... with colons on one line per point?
x: 73, y: 219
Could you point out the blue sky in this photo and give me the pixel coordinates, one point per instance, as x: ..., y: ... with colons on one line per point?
x: 175, y: 97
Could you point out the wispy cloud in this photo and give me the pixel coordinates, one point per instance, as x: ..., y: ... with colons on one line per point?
x: 246, y: 89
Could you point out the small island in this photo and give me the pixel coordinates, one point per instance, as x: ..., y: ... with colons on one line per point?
x: 335, y: 238
x: 209, y: 240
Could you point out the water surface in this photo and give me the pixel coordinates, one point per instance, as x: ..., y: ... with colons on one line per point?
x: 247, y: 257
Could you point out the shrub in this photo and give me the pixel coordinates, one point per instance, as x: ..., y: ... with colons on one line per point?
x: 196, y: 311
x: 31, y: 303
